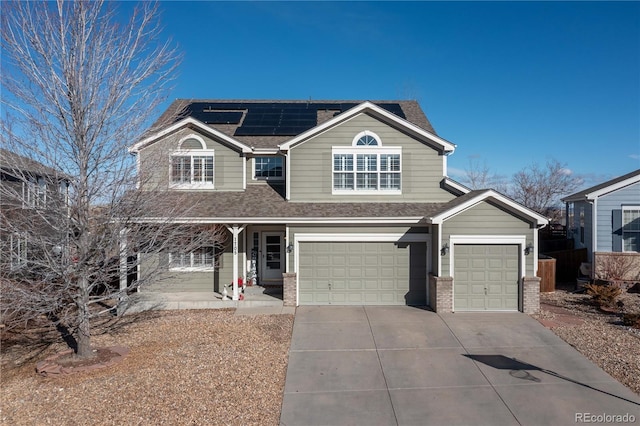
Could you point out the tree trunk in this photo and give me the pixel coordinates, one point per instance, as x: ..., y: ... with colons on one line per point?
x: 83, y: 333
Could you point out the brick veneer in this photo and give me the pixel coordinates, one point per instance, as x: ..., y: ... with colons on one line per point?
x: 441, y: 293
x: 289, y: 282
x: 531, y: 295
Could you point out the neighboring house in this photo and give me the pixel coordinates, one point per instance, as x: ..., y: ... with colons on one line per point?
x: 342, y: 202
x: 606, y: 217
x: 33, y: 203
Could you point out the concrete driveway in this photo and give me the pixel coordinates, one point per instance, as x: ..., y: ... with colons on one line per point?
x: 389, y: 365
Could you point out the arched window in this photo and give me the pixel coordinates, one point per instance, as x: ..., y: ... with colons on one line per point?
x: 366, y: 167
x: 192, y: 164
x: 366, y: 138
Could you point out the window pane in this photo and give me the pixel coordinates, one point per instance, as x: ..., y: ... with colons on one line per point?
x: 631, y: 241
x: 269, y: 166
x: 343, y: 162
x: 367, y: 140
x: 390, y: 163
x: 343, y: 180
x: 389, y: 181
x: 203, y: 169
x: 181, y: 169
x: 367, y: 162
x: 208, y: 170
x: 631, y: 220
x: 367, y: 181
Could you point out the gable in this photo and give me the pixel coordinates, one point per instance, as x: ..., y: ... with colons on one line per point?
x: 311, y: 163
x: 154, y: 159
x: 383, y: 116
x: 605, y: 187
x: 471, y: 199
x: 195, y: 125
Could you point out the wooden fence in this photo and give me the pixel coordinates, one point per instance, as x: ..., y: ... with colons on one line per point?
x: 547, y: 273
x: 567, y: 263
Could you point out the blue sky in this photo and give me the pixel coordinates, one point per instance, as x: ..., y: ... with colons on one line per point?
x: 511, y: 83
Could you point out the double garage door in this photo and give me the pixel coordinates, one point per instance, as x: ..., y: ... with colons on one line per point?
x: 361, y: 273
x: 486, y: 277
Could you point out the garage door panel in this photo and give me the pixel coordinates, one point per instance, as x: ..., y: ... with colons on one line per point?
x: 486, y: 276
x: 359, y: 272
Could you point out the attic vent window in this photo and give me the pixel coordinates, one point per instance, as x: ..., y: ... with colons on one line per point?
x: 366, y: 138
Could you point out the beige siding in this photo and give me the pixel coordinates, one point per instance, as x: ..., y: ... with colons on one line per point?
x: 311, y: 165
x: 486, y: 219
x: 155, y: 163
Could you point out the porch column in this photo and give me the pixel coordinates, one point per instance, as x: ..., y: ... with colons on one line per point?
x: 235, y: 231
x: 123, y: 268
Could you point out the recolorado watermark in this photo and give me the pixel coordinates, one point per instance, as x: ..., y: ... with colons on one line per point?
x: 604, y: 418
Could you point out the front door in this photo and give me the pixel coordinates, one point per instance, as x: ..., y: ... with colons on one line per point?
x: 272, y: 256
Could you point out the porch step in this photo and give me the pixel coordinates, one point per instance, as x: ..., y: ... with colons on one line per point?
x: 177, y: 301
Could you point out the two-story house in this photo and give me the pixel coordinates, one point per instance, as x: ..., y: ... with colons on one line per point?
x: 606, y: 217
x: 341, y: 202
x: 33, y: 212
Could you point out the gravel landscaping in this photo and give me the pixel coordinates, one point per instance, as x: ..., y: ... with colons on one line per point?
x: 184, y: 367
x: 211, y: 367
x: 599, y: 336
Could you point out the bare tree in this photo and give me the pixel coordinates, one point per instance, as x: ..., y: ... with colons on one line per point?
x: 78, y: 87
x: 479, y: 176
x: 540, y: 187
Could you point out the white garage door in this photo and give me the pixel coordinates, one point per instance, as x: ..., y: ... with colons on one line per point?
x: 360, y: 273
x: 486, y: 277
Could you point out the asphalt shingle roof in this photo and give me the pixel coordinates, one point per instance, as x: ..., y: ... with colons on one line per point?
x: 265, y: 201
x: 582, y: 194
x: 180, y: 108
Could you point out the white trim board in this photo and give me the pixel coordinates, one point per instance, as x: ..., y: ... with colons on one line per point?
x: 378, y: 111
x: 184, y: 123
x: 519, y: 240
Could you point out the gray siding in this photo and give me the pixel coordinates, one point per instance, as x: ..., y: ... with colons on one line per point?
x: 311, y: 165
x: 611, y: 204
x: 486, y: 219
x: 194, y: 281
x: 155, y: 163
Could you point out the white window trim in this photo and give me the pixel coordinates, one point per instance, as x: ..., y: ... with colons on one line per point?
x: 34, y: 192
x: 376, y: 150
x: 192, y: 153
x: 628, y: 208
x: 18, y: 251
x: 274, y: 178
x: 366, y: 133
x: 192, y: 268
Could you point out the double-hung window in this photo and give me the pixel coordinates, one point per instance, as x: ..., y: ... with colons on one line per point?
x: 35, y: 192
x: 631, y: 229
x: 366, y: 167
x: 200, y: 259
x: 192, y: 165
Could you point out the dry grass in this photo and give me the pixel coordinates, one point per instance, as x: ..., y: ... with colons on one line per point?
x: 185, y: 367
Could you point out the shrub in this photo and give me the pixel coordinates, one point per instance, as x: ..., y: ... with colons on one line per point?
x: 603, y: 295
x: 631, y: 319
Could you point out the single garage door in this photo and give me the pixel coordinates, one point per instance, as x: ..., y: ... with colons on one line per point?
x: 361, y: 273
x: 486, y: 277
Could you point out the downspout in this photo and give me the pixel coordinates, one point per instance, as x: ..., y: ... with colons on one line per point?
x: 594, y: 227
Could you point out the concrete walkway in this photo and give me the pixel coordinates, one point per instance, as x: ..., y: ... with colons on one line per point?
x: 380, y: 365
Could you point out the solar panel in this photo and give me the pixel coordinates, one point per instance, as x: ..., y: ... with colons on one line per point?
x: 272, y: 118
x: 219, y: 117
